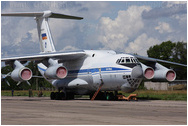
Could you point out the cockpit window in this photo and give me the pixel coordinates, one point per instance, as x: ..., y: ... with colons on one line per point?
x: 122, y: 60
x: 125, y: 60
x: 118, y: 61
x: 128, y: 60
x: 133, y: 60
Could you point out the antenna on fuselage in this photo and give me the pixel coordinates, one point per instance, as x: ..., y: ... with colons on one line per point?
x: 44, y: 33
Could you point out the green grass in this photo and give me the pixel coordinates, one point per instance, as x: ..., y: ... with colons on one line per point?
x: 24, y: 93
x: 142, y: 94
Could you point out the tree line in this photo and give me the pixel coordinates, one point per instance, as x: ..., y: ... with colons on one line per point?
x: 174, y: 52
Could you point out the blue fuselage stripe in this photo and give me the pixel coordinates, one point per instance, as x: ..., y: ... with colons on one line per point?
x: 95, y: 70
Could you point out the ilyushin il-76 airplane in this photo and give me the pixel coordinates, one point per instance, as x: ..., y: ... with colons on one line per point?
x: 84, y: 72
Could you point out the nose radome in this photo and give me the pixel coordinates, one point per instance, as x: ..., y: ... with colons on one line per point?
x: 137, y: 72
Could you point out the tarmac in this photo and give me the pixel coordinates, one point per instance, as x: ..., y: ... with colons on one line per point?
x: 43, y: 111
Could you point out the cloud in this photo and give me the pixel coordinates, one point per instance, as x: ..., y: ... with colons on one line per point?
x: 172, y: 3
x: 19, y: 31
x: 163, y: 27
x: 170, y: 21
x: 104, y: 26
x: 114, y: 34
x: 167, y: 9
x: 129, y: 32
x: 32, y: 35
x: 141, y: 43
x: 69, y: 48
x: 92, y: 10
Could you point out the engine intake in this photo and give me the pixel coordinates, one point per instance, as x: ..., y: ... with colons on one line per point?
x: 148, y: 72
x: 164, y: 74
x: 56, y: 72
x: 170, y: 75
x: 21, y: 73
x: 26, y: 74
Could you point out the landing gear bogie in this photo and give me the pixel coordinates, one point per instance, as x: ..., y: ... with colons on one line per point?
x: 52, y: 96
x: 104, y: 96
x: 61, y: 96
x: 110, y: 96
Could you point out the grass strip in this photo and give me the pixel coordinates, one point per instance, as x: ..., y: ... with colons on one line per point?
x: 142, y: 94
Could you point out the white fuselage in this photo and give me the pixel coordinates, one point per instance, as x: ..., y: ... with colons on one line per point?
x: 85, y: 74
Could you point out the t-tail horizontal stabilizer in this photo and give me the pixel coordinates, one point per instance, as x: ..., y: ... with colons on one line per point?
x: 45, y: 38
x: 45, y: 14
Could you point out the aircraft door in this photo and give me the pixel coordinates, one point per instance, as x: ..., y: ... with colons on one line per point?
x: 97, y: 77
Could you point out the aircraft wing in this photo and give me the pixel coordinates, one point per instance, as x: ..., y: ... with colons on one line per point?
x: 62, y: 56
x: 148, y: 59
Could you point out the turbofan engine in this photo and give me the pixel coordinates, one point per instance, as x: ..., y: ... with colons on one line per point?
x: 55, y: 70
x: 21, y: 73
x: 162, y: 73
x: 148, y: 72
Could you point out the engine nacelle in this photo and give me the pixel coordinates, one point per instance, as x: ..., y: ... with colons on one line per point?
x: 164, y: 74
x: 148, y: 72
x: 56, y: 72
x: 21, y: 73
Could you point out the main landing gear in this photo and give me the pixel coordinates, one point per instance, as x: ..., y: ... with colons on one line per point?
x: 61, y: 95
x: 100, y: 96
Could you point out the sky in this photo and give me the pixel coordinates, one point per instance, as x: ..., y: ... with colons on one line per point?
x: 129, y: 27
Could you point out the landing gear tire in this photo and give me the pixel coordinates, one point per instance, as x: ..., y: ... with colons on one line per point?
x: 57, y: 96
x: 110, y: 96
x: 70, y: 96
x: 52, y: 96
x: 102, y: 96
x: 61, y: 96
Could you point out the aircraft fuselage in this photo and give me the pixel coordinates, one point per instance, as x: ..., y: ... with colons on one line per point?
x: 86, y: 74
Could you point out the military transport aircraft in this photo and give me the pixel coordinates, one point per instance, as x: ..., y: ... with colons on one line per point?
x: 84, y: 71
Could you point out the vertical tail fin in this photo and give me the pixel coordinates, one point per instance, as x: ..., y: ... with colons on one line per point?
x: 45, y: 37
